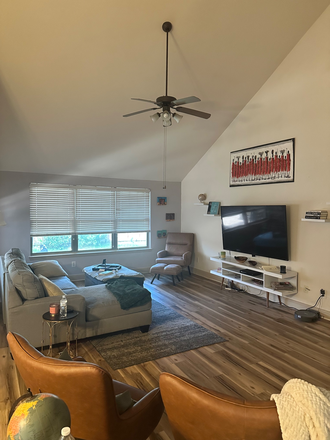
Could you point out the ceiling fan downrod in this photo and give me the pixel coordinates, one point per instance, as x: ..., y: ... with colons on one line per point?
x: 167, y: 27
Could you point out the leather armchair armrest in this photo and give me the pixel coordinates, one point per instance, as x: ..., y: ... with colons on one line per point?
x: 161, y: 254
x: 187, y: 257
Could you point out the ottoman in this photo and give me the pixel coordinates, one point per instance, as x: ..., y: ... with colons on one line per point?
x: 166, y: 269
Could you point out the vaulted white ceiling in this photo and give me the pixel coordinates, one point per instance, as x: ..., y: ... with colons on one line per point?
x: 69, y: 68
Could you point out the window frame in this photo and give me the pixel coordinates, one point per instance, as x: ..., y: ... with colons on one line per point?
x: 114, y: 233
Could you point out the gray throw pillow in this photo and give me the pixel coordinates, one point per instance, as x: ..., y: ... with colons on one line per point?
x: 50, y: 288
x: 25, y: 281
x: 48, y: 268
x: 13, y: 254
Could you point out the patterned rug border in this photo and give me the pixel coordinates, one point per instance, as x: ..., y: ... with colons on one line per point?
x: 170, y: 333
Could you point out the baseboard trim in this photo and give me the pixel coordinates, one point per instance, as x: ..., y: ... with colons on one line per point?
x: 273, y: 298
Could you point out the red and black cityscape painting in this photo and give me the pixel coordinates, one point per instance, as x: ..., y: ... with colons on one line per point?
x: 269, y: 163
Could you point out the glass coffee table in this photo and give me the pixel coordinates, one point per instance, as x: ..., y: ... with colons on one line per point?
x: 93, y: 277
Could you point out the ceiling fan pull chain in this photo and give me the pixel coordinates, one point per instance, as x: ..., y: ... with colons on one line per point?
x: 164, y: 157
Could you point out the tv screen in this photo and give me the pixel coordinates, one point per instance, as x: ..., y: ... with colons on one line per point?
x: 256, y: 230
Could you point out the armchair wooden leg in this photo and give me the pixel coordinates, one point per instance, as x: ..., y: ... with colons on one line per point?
x: 158, y: 276
x: 153, y: 279
x: 189, y: 270
x: 178, y: 278
x: 173, y: 280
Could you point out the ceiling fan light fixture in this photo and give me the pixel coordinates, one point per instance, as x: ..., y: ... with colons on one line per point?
x: 155, y: 117
x: 166, y: 115
x: 177, y: 117
x: 167, y: 122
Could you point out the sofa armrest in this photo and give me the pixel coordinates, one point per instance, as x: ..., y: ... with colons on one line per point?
x: 161, y: 254
x: 187, y: 257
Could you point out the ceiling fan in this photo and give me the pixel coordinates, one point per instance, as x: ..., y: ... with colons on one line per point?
x: 167, y: 104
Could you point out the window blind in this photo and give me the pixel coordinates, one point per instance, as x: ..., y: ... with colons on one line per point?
x: 67, y: 209
x: 95, y: 210
x: 132, y: 210
x: 51, y: 210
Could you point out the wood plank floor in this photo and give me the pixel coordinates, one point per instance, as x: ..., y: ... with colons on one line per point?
x: 264, y: 348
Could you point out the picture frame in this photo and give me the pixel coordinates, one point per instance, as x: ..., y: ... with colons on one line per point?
x: 162, y: 233
x: 213, y: 208
x: 263, y: 164
x: 162, y: 201
x: 170, y: 217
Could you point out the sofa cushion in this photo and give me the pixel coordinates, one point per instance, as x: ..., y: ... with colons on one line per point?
x: 13, y: 254
x: 64, y: 283
x: 48, y: 268
x: 102, y: 304
x: 50, y: 288
x: 25, y: 281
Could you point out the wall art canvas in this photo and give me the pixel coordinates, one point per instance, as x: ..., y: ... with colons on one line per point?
x: 268, y: 163
x: 162, y: 233
x: 170, y: 217
x: 161, y: 200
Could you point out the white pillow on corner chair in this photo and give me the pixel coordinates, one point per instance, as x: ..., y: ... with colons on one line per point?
x: 50, y: 288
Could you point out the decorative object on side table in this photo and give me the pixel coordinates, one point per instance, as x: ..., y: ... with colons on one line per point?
x: 268, y: 163
x: 213, y: 208
x: 202, y: 198
x: 54, y: 309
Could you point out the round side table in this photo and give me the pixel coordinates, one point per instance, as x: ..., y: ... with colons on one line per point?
x: 52, y: 322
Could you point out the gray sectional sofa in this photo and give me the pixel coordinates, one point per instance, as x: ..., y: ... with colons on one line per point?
x: 25, y: 299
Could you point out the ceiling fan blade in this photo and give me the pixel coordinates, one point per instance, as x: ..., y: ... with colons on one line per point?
x: 183, y: 101
x: 193, y: 112
x: 141, y: 111
x: 145, y: 100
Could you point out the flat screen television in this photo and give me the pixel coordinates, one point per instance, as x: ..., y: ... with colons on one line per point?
x: 259, y: 230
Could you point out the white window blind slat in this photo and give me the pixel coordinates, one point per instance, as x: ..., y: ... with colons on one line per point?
x: 67, y: 209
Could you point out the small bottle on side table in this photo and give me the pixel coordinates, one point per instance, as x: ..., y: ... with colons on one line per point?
x: 63, y: 307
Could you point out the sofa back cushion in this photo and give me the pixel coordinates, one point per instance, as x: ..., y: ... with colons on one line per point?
x: 48, y: 268
x: 25, y: 281
x: 13, y: 298
x: 13, y: 254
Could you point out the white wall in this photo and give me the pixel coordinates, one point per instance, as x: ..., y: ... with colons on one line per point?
x: 15, y: 206
x: 293, y: 103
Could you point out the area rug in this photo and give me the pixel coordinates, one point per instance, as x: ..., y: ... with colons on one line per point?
x: 170, y: 333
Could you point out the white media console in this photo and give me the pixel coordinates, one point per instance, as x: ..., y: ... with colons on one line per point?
x: 230, y: 269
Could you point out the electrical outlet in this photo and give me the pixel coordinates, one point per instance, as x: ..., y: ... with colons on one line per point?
x: 73, y: 264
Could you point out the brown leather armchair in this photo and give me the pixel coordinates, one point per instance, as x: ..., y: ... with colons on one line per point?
x: 89, y: 392
x: 178, y: 249
x: 197, y: 413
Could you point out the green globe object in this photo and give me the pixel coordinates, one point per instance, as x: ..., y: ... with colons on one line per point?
x: 41, y: 416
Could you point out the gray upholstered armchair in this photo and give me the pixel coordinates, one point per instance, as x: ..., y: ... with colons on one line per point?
x: 178, y: 249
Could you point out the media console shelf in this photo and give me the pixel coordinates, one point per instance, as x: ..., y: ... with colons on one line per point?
x: 230, y: 269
